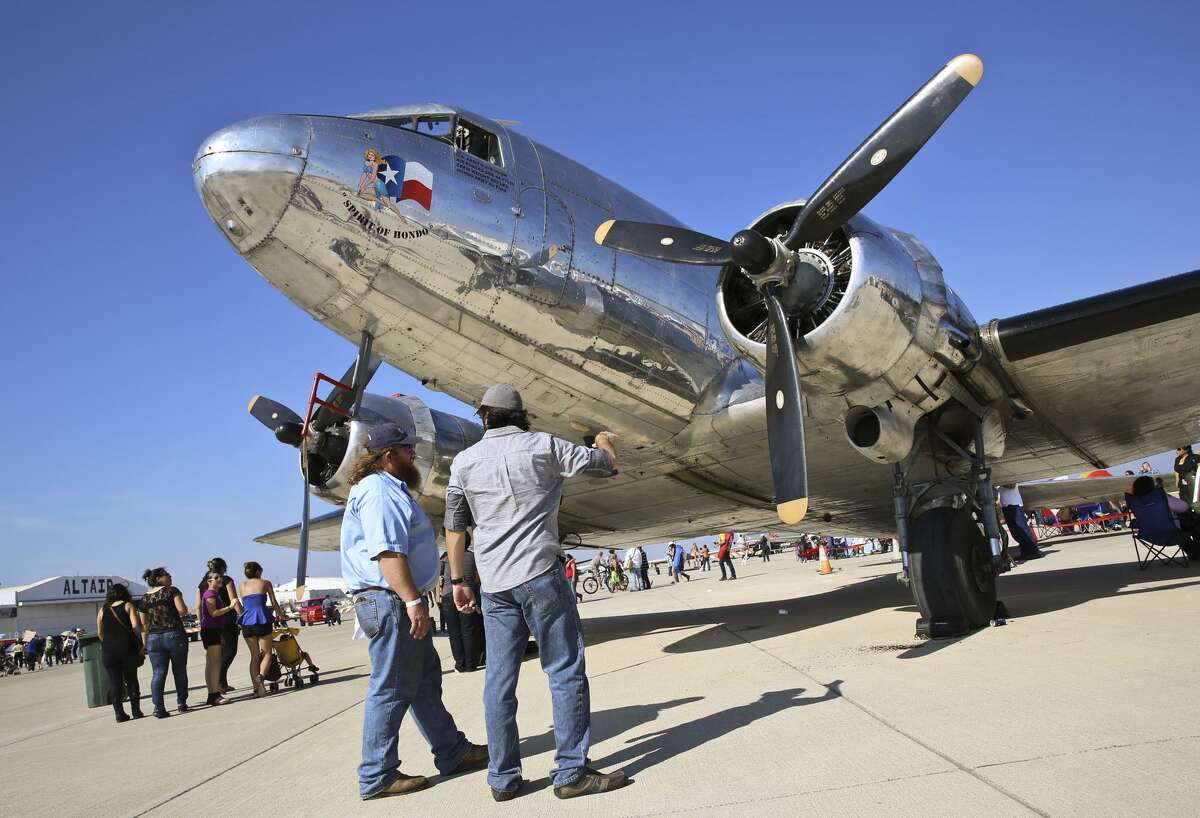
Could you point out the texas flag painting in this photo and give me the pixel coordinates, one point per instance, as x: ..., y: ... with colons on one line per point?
x: 407, y: 180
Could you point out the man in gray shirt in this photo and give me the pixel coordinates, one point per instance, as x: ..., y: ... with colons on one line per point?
x: 509, y: 486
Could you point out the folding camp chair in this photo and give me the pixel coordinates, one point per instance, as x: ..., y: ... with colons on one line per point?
x: 1154, y: 530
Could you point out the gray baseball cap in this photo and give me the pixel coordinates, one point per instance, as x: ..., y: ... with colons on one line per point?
x: 502, y: 396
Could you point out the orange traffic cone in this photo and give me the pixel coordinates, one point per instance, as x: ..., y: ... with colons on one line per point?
x: 825, y: 568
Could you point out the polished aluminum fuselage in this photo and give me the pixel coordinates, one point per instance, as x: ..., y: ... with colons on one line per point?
x: 500, y: 280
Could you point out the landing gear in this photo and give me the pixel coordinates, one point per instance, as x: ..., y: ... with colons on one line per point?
x: 950, y: 531
x: 951, y: 571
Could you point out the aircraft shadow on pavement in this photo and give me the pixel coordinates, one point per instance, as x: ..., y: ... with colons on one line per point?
x: 1025, y: 594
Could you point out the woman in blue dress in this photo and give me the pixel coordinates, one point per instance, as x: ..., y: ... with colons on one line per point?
x: 372, y: 187
x: 257, y: 621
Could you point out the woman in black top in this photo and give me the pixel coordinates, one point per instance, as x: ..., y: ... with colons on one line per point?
x: 162, y: 609
x: 1185, y: 467
x: 121, y: 649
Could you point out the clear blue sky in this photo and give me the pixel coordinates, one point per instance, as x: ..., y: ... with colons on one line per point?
x: 134, y: 336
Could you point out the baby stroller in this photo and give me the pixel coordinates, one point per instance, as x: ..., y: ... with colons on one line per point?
x: 287, y: 659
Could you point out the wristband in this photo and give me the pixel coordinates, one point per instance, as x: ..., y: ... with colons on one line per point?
x: 458, y: 581
x: 418, y: 601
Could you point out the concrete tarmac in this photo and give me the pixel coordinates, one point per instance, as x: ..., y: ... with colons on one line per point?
x: 782, y: 693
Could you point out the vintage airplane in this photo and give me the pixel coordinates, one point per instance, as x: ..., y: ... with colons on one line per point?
x: 466, y: 254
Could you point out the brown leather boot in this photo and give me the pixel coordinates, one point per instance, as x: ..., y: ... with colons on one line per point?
x: 402, y: 785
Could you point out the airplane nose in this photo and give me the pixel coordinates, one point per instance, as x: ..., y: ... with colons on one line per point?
x: 246, y: 174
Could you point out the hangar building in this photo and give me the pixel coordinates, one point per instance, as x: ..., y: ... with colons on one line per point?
x: 56, y: 604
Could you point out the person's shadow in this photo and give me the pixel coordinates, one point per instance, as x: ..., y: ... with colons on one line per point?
x: 649, y: 749
x: 607, y: 724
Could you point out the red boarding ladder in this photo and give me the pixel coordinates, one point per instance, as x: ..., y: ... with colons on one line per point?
x: 313, y: 400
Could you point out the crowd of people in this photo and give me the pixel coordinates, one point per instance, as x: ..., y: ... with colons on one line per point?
x: 30, y: 652
x: 632, y: 572
x: 153, y: 628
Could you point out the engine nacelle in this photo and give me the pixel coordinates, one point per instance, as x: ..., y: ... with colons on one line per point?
x: 438, y: 437
x: 886, y: 330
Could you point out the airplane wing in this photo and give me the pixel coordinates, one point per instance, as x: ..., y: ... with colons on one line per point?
x: 1060, y: 493
x: 1109, y: 378
x: 324, y: 533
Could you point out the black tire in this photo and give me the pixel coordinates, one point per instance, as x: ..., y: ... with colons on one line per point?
x: 315, y: 678
x: 274, y: 687
x: 950, y: 565
x: 299, y: 681
x: 623, y: 583
x: 590, y: 586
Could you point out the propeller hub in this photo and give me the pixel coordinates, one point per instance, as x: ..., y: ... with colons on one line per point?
x: 752, y: 251
x: 289, y: 433
x: 811, y: 283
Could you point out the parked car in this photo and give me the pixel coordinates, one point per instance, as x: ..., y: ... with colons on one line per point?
x: 312, y: 611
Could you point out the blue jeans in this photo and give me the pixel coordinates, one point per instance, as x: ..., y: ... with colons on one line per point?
x: 406, y: 674
x: 543, y: 607
x: 1019, y: 528
x: 635, y: 579
x: 168, y: 648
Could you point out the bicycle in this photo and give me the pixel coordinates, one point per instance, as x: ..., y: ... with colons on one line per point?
x: 617, y: 582
x: 590, y: 585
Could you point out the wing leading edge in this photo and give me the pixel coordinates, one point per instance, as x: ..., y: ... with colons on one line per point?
x: 1115, y: 376
x: 324, y: 533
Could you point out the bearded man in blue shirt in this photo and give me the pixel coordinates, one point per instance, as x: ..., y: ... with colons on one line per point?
x: 389, y: 560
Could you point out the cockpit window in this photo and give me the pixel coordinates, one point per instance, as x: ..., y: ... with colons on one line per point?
x: 436, y: 125
x: 463, y: 134
x: 478, y: 142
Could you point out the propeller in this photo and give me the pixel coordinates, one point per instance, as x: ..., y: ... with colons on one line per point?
x: 774, y: 265
x: 289, y: 429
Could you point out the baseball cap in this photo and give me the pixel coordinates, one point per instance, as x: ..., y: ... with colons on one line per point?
x: 502, y: 396
x: 384, y: 436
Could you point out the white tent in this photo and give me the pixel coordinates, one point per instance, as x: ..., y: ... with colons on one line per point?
x: 314, y: 588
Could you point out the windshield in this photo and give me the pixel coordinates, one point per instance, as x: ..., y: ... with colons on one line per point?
x: 439, y: 126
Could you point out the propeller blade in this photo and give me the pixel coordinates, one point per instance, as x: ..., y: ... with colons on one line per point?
x: 785, y: 418
x: 885, y: 152
x: 344, y: 398
x: 663, y: 242
x: 272, y: 414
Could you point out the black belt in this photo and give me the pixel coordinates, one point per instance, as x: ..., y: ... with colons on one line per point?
x: 374, y: 588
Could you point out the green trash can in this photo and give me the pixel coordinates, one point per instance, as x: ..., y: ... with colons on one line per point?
x: 95, y: 680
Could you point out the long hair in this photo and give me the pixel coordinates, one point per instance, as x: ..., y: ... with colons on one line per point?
x: 215, y: 565
x: 494, y: 418
x: 153, y: 575
x: 117, y: 591
x: 366, y: 465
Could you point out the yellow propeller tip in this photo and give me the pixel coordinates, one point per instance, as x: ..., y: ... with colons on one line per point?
x: 792, y: 511
x: 967, y: 66
x: 253, y: 400
x: 602, y: 231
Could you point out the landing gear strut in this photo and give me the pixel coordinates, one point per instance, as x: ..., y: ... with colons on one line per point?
x: 955, y: 548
